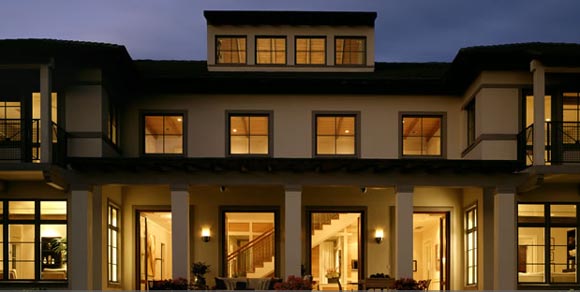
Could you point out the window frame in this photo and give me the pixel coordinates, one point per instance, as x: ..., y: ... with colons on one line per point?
x: 37, y: 222
x: 216, y: 51
x: 111, y: 205
x: 470, y: 122
x: 163, y: 113
x: 357, y: 135
x: 271, y: 37
x: 443, y: 137
x: 365, y: 50
x: 325, y: 53
x: 547, y: 225
x: 253, y: 113
x: 467, y: 231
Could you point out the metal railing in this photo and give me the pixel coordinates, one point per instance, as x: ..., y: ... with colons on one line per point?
x: 20, y: 141
x: 251, y: 255
x: 561, y: 143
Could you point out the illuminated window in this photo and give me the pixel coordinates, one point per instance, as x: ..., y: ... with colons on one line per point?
x: 336, y: 134
x: 249, y: 134
x: 310, y: 50
x: 270, y: 50
x: 231, y: 50
x: 350, y: 51
x: 547, y: 243
x: 113, y: 254
x: 164, y: 133
x: 471, y: 246
x: 421, y: 135
x: 36, y: 246
x: 113, y: 124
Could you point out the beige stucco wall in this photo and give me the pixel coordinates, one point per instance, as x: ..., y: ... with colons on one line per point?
x: 292, y: 120
x: 290, y: 32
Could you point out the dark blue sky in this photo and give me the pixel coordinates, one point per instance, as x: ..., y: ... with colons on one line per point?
x: 406, y: 30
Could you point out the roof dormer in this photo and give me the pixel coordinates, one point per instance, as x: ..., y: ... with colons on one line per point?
x: 285, y: 41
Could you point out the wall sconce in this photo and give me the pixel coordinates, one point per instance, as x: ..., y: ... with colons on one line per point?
x: 205, y: 234
x: 379, y: 235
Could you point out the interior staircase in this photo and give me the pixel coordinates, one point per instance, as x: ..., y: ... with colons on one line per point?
x: 254, y: 259
x: 326, y: 225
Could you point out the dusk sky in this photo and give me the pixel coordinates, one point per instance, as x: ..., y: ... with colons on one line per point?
x: 406, y: 30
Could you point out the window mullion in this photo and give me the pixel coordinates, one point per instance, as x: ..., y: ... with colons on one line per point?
x: 5, y: 239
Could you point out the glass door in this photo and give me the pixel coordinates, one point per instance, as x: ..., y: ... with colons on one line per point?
x: 153, y: 248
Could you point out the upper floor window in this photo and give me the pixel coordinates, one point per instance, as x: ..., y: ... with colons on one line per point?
x: 231, y: 50
x: 471, y: 245
x: 113, y: 124
x: 35, y: 246
x: 270, y: 50
x: 350, y: 51
x: 310, y: 50
x: 421, y: 135
x: 249, y: 134
x: 336, y: 134
x: 571, y: 107
x: 164, y: 133
x: 470, y: 110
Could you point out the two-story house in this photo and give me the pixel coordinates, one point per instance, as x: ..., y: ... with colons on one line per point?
x: 290, y: 151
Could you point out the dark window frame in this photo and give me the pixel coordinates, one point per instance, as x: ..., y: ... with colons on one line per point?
x: 37, y: 222
x: 253, y: 113
x: 145, y: 113
x: 217, y: 51
x: 364, y: 51
x: 443, y: 136
x: 309, y: 52
x: 337, y: 114
x: 272, y: 53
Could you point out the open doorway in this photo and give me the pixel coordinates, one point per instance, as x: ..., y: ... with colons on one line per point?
x: 154, y: 247
x: 431, y: 248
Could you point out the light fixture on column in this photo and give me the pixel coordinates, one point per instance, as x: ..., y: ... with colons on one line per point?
x: 205, y: 234
x: 379, y: 235
x: 222, y: 189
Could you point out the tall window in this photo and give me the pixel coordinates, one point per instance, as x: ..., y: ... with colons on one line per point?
x: 471, y: 246
x: 350, y: 51
x: 249, y: 134
x: 310, y: 50
x: 113, y: 124
x: 270, y: 50
x: 230, y: 50
x: 547, y: 243
x: 35, y: 247
x: 113, y: 254
x: 470, y: 110
x: 421, y: 135
x: 336, y: 134
x: 164, y: 133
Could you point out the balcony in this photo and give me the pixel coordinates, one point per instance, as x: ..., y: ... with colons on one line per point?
x: 20, y: 141
x: 562, y: 143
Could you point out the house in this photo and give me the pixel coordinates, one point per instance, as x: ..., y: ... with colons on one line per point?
x: 289, y: 151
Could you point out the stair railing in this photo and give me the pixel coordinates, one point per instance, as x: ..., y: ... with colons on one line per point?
x: 253, y: 254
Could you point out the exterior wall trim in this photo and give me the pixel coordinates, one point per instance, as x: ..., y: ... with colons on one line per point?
x: 488, y: 137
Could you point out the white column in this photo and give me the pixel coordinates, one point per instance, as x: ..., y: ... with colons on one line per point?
x: 505, y: 239
x: 404, y: 232
x: 80, y: 260
x: 292, y: 231
x: 539, y: 94
x: 180, y: 231
x: 45, y: 114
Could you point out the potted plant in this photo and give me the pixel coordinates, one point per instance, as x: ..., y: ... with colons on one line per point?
x: 199, y: 269
x: 332, y: 275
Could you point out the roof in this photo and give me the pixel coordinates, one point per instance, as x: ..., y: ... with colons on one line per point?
x: 227, y: 17
x: 193, y: 76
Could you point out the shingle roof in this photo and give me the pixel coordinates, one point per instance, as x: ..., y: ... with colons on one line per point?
x: 228, y: 17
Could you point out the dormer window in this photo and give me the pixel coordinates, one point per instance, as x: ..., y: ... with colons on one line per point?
x: 271, y: 50
x: 310, y: 50
x: 231, y: 50
x: 350, y: 51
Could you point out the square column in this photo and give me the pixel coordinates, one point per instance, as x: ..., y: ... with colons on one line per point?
x: 292, y: 231
x: 180, y: 231
x: 504, y: 226
x: 404, y: 232
x: 80, y: 247
x: 539, y: 81
x: 45, y: 114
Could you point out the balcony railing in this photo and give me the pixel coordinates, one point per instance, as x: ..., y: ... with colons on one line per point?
x: 20, y: 141
x: 561, y: 143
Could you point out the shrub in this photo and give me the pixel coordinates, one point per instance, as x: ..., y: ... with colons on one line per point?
x: 294, y: 283
x: 406, y: 284
x: 175, y: 284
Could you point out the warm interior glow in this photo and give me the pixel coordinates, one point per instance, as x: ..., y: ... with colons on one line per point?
x: 422, y: 135
x: 379, y: 233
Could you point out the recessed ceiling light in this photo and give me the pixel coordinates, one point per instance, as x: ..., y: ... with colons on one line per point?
x: 179, y: 119
x: 235, y: 130
x: 347, y: 131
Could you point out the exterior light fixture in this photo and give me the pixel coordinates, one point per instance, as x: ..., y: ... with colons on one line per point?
x: 205, y: 234
x: 379, y: 235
